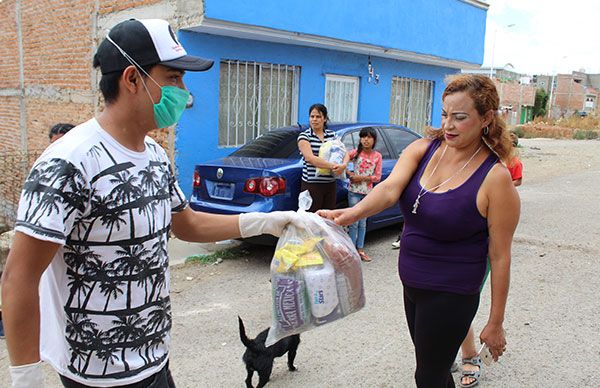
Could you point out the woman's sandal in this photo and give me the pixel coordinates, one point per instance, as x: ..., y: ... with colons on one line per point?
x: 474, y: 375
x: 364, y: 256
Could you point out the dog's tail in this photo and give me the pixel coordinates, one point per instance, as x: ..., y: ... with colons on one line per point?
x: 245, y: 340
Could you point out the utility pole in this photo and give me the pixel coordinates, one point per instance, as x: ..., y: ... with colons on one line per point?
x: 494, y: 48
x: 549, y: 112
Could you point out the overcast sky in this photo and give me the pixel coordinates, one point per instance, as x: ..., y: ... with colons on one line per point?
x: 546, y: 36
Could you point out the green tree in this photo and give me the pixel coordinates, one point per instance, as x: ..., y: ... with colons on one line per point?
x: 541, y: 100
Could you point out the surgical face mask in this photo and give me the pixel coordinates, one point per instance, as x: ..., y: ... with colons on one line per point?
x: 172, y: 102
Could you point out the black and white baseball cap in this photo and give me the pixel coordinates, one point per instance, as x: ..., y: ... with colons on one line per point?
x: 147, y: 42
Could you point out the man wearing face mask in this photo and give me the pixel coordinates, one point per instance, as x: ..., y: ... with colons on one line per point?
x: 93, y: 223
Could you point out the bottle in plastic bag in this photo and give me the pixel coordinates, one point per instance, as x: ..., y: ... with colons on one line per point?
x: 322, y: 292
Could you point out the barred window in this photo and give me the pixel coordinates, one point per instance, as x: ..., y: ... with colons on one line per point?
x: 410, y: 103
x: 254, y: 98
x: 341, y: 97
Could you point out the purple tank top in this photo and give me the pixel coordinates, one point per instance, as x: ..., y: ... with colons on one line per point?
x: 444, y: 247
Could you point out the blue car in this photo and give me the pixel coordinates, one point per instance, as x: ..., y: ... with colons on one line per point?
x: 264, y: 175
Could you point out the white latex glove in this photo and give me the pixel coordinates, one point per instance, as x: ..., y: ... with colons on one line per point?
x: 27, y: 376
x: 257, y: 223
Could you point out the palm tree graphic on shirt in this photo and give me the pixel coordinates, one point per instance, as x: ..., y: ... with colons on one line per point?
x: 124, y: 209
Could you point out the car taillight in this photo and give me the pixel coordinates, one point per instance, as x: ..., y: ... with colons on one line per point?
x: 251, y: 185
x: 196, y: 182
x: 266, y: 186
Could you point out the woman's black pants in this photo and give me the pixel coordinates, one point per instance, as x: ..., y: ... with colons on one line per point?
x: 438, y: 323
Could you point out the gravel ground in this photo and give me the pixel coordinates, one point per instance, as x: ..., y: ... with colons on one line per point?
x: 551, y: 321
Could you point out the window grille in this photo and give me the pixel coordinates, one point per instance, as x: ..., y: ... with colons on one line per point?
x: 341, y: 97
x: 254, y: 98
x: 411, y: 102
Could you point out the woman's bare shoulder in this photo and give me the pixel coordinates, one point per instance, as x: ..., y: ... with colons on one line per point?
x: 417, y: 148
x: 499, y: 174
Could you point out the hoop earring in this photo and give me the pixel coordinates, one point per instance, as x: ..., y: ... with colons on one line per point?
x: 486, y: 131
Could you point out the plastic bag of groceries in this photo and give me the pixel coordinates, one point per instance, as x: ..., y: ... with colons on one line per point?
x: 316, y: 275
x: 333, y: 151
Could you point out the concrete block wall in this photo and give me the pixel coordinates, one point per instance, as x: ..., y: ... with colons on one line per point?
x: 46, y: 74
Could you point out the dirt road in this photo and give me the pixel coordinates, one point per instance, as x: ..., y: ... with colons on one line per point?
x: 552, y: 318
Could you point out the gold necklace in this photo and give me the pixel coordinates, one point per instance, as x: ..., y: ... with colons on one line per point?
x: 424, y: 191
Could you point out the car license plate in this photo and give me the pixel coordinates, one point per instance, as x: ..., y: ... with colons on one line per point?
x: 223, y: 191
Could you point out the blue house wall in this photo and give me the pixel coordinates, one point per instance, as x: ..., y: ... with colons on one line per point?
x: 449, y: 31
x: 452, y: 29
x: 197, y: 134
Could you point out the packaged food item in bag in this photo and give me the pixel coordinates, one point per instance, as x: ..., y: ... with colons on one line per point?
x: 316, y: 275
x: 290, y: 306
x: 333, y: 151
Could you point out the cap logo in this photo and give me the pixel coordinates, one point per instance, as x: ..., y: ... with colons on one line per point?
x: 177, y: 47
x: 173, y: 36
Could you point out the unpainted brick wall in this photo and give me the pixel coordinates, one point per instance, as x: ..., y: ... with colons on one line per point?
x: 14, y: 165
x: 41, y: 111
x: 9, y: 49
x: 58, y: 39
x: 10, y: 135
x: 57, y: 43
x: 109, y: 6
x: 515, y: 94
x: 569, y: 95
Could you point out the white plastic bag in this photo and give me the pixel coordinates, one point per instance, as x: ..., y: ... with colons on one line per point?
x: 333, y: 151
x: 316, y: 276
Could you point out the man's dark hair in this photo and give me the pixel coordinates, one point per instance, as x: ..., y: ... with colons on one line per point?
x: 109, y: 83
x: 60, y: 129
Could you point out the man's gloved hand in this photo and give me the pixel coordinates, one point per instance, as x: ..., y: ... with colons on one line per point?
x: 256, y: 223
x: 27, y: 376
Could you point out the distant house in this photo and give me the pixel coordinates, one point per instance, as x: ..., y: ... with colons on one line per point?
x: 516, y: 92
x: 575, y: 93
x: 505, y: 73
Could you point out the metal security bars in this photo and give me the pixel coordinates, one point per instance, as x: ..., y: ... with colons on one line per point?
x: 410, y: 103
x: 341, y: 97
x: 254, y: 98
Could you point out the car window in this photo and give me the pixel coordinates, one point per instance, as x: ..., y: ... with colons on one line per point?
x: 274, y: 144
x: 352, y: 140
x: 381, y: 147
x: 399, y: 138
x: 348, y: 141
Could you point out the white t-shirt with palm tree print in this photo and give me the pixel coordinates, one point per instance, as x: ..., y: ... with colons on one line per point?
x: 105, y: 307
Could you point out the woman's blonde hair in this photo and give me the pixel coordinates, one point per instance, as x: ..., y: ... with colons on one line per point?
x: 485, y: 98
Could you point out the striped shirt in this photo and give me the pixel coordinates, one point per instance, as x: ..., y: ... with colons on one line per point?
x: 309, y: 172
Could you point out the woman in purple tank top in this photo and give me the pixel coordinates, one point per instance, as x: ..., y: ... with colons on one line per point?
x: 459, y: 206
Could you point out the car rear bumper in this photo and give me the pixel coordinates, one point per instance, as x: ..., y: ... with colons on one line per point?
x: 225, y: 208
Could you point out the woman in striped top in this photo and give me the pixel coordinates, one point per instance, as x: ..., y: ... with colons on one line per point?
x: 322, y: 188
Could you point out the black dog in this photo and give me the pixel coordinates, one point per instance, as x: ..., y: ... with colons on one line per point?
x: 259, y: 358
